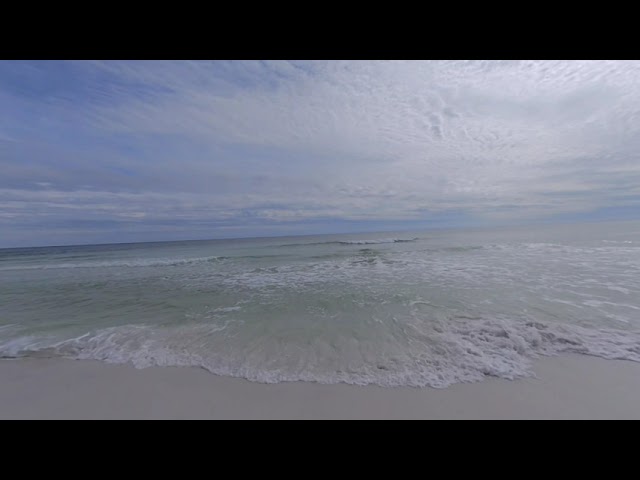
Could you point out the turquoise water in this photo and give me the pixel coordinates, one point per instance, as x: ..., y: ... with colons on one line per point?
x: 418, y: 308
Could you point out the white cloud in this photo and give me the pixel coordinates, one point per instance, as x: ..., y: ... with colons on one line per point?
x: 293, y: 141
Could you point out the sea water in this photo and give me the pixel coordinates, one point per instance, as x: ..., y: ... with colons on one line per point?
x: 394, y: 309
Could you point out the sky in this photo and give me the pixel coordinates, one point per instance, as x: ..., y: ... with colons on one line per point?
x: 126, y: 151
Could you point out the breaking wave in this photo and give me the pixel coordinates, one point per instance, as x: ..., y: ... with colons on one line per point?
x: 463, y: 349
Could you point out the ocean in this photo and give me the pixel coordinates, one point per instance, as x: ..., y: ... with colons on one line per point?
x: 420, y: 309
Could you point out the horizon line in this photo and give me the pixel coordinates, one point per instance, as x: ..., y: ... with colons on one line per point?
x: 459, y: 227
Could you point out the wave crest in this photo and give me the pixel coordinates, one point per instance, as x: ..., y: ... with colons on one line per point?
x: 355, y: 242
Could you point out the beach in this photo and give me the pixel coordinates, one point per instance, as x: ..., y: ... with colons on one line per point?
x: 566, y: 387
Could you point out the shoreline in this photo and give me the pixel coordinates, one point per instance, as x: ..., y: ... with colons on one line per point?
x: 566, y: 387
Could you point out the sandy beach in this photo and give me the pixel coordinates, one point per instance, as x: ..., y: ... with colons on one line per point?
x: 566, y: 387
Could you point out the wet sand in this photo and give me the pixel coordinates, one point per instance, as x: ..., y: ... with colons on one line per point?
x: 566, y: 387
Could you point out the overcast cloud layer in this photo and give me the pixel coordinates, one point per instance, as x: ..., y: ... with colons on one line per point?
x: 94, y: 152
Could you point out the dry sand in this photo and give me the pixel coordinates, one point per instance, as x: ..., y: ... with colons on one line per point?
x: 568, y: 387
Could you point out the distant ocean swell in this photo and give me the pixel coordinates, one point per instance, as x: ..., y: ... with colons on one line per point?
x: 354, y: 242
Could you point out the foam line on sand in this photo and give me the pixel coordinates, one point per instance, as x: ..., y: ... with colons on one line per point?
x: 571, y: 386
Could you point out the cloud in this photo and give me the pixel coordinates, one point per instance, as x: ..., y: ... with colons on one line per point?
x: 261, y: 146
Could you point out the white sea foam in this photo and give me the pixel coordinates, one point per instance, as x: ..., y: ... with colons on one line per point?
x: 463, y: 349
